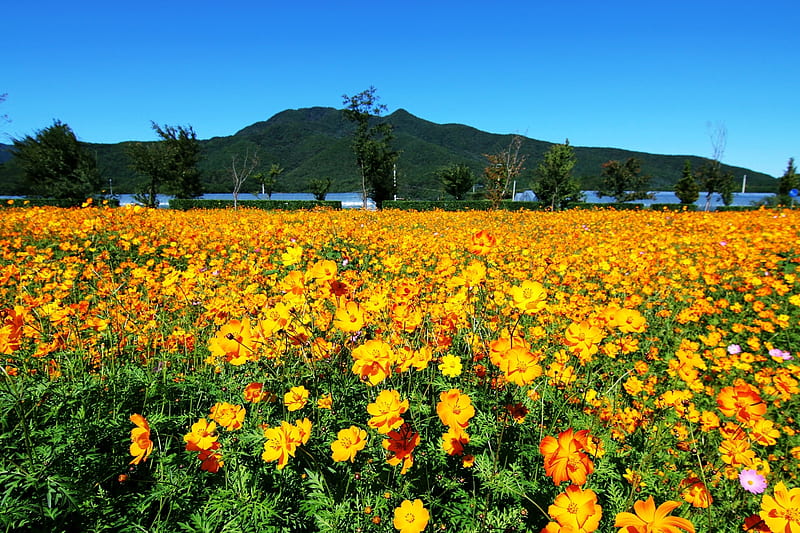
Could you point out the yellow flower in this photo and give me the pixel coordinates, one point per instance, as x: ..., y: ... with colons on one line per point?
x: 281, y: 443
x: 141, y: 445
x: 348, y: 442
x: 450, y: 366
x: 227, y: 415
x: 349, y: 318
x: 296, y: 398
x: 781, y: 512
x: 386, y: 411
x: 530, y: 297
x: 411, y: 517
x: 325, y: 401
x: 202, y: 436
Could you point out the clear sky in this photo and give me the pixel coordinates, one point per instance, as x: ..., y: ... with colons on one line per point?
x: 652, y: 76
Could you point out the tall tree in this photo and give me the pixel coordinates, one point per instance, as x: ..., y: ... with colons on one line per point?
x: 169, y: 165
x: 786, y: 183
x: 457, y: 180
x: 624, y: 181
x: 713, y: 179
x: 372, y: 146
x: 553, y: 183
x: 504, y: 167
x: 57, y: 165
x: 686, y: 189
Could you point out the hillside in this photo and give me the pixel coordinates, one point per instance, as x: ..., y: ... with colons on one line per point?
x: 315, y: 143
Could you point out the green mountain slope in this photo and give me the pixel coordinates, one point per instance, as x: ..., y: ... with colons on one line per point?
x: 315, y: 143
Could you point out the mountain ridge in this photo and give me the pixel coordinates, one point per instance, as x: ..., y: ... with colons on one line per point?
x: 315, y: 142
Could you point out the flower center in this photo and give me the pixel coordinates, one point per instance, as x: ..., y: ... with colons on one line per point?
x: 792, y: 515
x: 572, y: 508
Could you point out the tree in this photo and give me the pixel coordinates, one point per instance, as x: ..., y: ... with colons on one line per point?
x: 623, y: 181
x: 712, y: 178
x: 4, y: 118
x: 319, y: 188
x: 554, y: 185
x: 457, y: 180
x: 169, y: 165
x: 371, y: 145
x: 56, y: 165
x: 240, y: 171
x: 269, y: 180
x: 503, y: 168
x: 786, y: 183
x: 686, y: 188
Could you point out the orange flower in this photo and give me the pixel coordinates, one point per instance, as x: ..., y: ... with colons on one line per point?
x: 349, y: 317
x: 741, y: 401
x: 233, y: 341
x: 411, y: 517
x: 520, y: 366
x: 281, y: 443
x: 202, y: 436
x: 400, y: 444
x: 781, y: 512
x: 325, y: 401
x: 453, y: 441
x: 141, y: 445
x: 373, y: 361
x: 564, y: 458
x: 254, y: 392
x: 648, y: 519
x: 697, y: 493
x: 628, y: 321
x: 455, y: 409
x: 386, y: 411
x: 210, y: 460
x: 228, y: 415
x: 348, y: 442
x: 296, y: 398
x: 583, y: 338
x: 576, y: 508
x: 481, y: 243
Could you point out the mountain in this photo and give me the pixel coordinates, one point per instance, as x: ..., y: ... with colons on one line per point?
x: 315, y: 143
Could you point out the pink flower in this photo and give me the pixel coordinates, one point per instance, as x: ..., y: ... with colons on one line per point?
x: 734, y: 349
x: 752, y: 481
x: 780, y: 354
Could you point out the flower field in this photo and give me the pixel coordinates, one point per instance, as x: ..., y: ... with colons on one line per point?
x: 579, y: 371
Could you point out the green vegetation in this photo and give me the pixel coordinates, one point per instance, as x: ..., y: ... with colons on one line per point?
x: 624, y: 181
x: 687, y: 190
x: 56, y: 165
x: 554, y: 185
x: 316, y: 142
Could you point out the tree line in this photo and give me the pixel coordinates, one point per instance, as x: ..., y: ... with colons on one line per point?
x: 56, y: 165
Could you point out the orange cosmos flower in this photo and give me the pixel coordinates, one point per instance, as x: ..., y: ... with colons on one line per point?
x: 281, y: 443
x: 349, y: 317
x: 520, y: 366
x: 583, y: 338
x: 628, y: 321
x: 325, y: 401
x: 348, y: 442
x: 411, y: 517
x: 210, y: 460
x: 577, y: 509
x: 455, y: 409
x: 373, y: 361
x: 781, y: 512
x: 454, y: 440
x: 400, y: 444
x: 530, y: 297
x: 386, y: 411
x: 254, y: 393
x: 564, y: 458
x: 296, y: 398
x: 648, y: 518
x: 233, y: 342
x: 141, y: 445
x: 742, y: 401
x: 697, y: 494
x: 202, y: 436
x: 228, y: 415
x: 481, y: 243
x: 322, y: 271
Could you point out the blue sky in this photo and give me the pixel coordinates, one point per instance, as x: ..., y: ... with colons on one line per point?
x: 657, y: 77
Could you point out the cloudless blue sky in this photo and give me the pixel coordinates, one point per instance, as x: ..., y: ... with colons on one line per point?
x: 655, y: 76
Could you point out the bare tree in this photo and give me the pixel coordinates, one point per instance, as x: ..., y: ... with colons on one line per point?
x: 712, y: 177
x: 240, y: 171
x: 504, y: 167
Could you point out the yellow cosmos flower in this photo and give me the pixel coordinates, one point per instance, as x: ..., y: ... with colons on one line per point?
x: 530, y: 297
x: 450, y: 366
x: 386, y: 411
x: 348, y: 442
x: 349, y: 318
x: 228, y: 415
x: 411, y: 517
x: 296, y: 398
x: 141, y: 445
x: 202, y: 436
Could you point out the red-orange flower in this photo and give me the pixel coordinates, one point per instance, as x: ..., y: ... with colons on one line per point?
x: 742, y: 401
x: 400, y: 444
x: 481, y: 243
x: 648, y: 518
x: 564, y: 458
